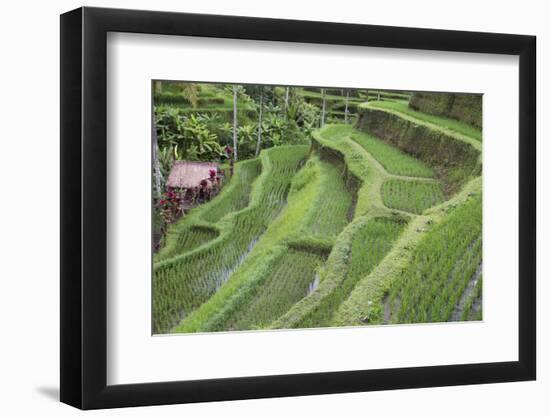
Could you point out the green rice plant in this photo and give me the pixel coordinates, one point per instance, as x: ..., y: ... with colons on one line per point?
x: 445, y: 122
x: 431, y: 285
x: 369, y: 246
x: 195, y: 236
x: 410, y: 195
x: 183, y: 282
x: 287, y: 281
x: 286, y: 234
x: 238, y: 196
x: 392, y: 159
x: 472, y: 308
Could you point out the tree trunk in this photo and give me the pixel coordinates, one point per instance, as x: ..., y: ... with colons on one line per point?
x: 235, y: 122
x: 156, y: 166
x: 346, y: 110
x: 158, y: 87
x: 324, y: 107
x: 260, y: 122
x: 286, y: 98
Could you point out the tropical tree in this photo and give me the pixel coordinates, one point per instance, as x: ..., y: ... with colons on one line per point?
x: 258, y: 143
x: 158, y: 87
x: 346, y: 109
x: 323, y: 109
x: 287, y: 92
x: 191, y: 92
x: 156, y: 168
x: 235, y: 122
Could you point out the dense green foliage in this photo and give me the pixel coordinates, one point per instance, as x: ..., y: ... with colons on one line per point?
x: 410, y: 195
x: 464, y: 107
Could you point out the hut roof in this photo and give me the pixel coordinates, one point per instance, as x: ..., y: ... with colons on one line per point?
x: 188, y: 174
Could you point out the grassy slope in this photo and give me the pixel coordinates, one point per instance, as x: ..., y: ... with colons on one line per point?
x: 445, y: 122
x: 392, y: 159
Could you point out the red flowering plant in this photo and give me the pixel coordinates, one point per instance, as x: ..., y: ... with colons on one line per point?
x: 169, y: 205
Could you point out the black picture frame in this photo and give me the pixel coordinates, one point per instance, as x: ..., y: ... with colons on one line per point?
x: 84, y: 207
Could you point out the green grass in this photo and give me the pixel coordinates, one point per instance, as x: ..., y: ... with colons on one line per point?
x: 182, y: 283
x: 369, y: 246
x: 430, y: 287
x: 412, y: 196
x: 445, y: 122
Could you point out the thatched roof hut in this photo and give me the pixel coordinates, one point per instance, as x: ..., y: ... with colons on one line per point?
x: 188, y: 174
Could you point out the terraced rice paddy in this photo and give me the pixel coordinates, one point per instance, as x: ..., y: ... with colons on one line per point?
x: 369, y: 246
x: 441, y: 268
x: 289, y: 277
x: 238, y: 196
x: 392, y: 159
x: 410, y: 195
x: 353, y: 230
x: 183, y: 282
x: 444, y: 122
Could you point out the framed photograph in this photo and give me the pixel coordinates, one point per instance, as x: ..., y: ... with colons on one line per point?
x: 257, y: 208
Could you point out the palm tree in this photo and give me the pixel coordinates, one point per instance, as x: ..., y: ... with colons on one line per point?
x: 260, y: 121
x: 158, y: 87
x: 156, y: 167
x: 235, y: 122
x: 191, y: 93
x: 346, y: 109
x: 286, y: 98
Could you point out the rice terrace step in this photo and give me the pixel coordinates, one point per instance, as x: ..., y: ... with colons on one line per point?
x: 281, y: 207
